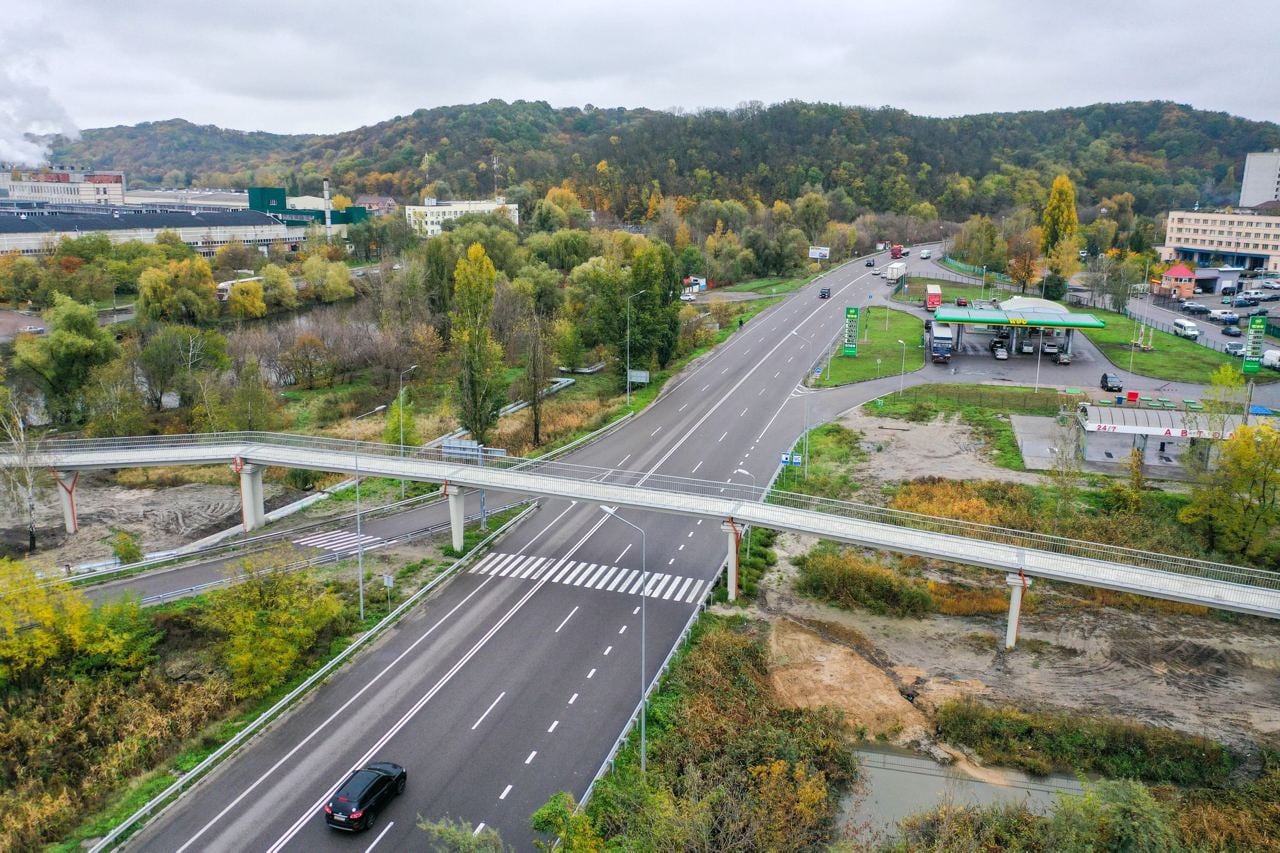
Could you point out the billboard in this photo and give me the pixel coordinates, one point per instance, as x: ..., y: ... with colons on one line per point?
x: 1253, y: 341
x: 819, y: 253
x: 851, y: 331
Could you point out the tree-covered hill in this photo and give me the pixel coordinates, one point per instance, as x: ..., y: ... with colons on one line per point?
x: 619, y: 160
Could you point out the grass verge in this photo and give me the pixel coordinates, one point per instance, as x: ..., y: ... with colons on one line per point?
x: 775, y: 286
x: 879, y: 353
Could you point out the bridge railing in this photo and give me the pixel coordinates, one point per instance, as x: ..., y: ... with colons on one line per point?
x: 344, y: 453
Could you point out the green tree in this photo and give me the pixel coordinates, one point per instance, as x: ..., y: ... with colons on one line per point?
x: 538, y: 370
x: 336, y: 284
x: 172, y: 354
x: 125, y: 547
x: 570, y: 829
x: 252, y: 404
x: 391, y: 430
x: 246, y: 301
x: 180, y: 292
x: 277, y: 288
x: 19, y: 278
x: 1059, y: 221
x: 60, y: 362
x: 1112, y: 815
x: 1237, y: 505
x: 114, y: 404
x: 811, y: 213
x: 479, y: 386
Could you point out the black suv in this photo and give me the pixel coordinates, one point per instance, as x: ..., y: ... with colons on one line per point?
x: 1111, y: 382
x: 824, y: 293
x: 871, y: 262
x: 366, y: 792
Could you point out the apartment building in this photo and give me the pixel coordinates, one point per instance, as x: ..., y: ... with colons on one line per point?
x: 1249, y: 239
x: 429, y: 217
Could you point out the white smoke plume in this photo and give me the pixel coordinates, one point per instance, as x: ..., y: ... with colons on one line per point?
x: 29, y: 114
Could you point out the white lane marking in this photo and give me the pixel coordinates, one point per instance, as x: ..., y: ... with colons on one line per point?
x: 553, y: 726
x: 658, y: 589
x: 623, y: 554
x: 696, y: 467
x: 566, y: 619
x: 492, y: 704
x: 721, y: 438
x: 774, y: 418
x: 683, y: 589
x: 681, y: 548
x: 505, y: 791
x: 671, y: 589
x: 634, y: 612
x: 744, y: 412
x: 603, y: 568
x: 697, y: 587
x: 592, y: 673
x: 673, y: 559
x: 622, y: 579
x: 528, y: 570
x: 690, y: 534
x: 529, y: 760
x: 649, y: 586
x: 705, y: 387
x: 511, y: 566
x: 408, y: 716
x: 775, y: 376
x: 622, y: 630
x: 763, y: 388
x: 655, y: 432
x: 789, y: 358
x: 479, y: 827
x: 723, y: 372
x: 565, y: 565
x: 385, y: 830
x: 682, y: 408
x: 624, y: 460
x: 545, y: 567
x: 486, y: 560
x: 574, y: 697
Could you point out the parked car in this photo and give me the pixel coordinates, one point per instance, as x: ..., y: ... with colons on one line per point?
x: 871, y: 262
x: 1050, y: 348
x: 1244, y: 302
x: 1026, y: 348
x: 1063, y: 357
x: 1271, y: 284
x: 32, y: 330
x: 1194, y: 308
x: 356, y: 803
x: 998, y: 343
x: 688, y: 297
x: 1231, y: 331
x: 1111, y: 382
x: 1259, y: 312
x: 961, y: 302
x: 1001, y: 354
x: 1235, y: 348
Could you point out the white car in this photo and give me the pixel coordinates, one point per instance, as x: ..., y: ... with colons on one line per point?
x: 1049, y: 348
x: 32, y: 330
x: 688, y: 297
x: 876, y: 272
x: 1001, y: 354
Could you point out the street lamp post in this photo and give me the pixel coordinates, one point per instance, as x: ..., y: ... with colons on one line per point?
x: 400, y: 407
x: 629, y: 298
x: 982, y: 290
x: 754, y: 487
x: 805, y: 381
x: 902, y: 374
x: 644, y: 593
x: 1039, y: 353
x: 355, y: 450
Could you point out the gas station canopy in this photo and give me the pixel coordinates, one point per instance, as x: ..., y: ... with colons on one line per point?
x: 1022, y: 317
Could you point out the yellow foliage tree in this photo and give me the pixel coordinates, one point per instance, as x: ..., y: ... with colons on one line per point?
x: 790, y: 808
x: 246, y: 301
x: 340, y: 202
x: 41, y: 619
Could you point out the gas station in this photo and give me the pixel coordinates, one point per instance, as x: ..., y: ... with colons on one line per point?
x: 1021, y: 315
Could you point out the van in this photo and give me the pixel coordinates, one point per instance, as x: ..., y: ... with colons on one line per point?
x: 1186, y: 329
x: 1271, y: 358
x: 1254, y: 294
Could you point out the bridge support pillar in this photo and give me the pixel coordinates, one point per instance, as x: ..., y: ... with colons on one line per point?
x: 251, y: 500
x: 457, y: 513
x: 67, y: 497
x: 1017, y: 583
x: 731, y: 558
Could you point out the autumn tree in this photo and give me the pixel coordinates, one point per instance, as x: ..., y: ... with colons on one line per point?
x: 1059, y: 221
x: 336, y: 284
x: 114, y: 404
x: 251, y: 403
x: 479, y: 358
x: 538, y: 369
x: 811, y: 214
x: 246, y: 302
x: 1237, y: 505
x: 60, y: 362
x: 25, y: 475
x: 180, y: 292
x: 394, y: 428
x: 172, y: 354
x: 1024, y: 260
x: 278, y: 290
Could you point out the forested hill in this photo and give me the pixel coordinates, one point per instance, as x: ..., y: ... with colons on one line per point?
x: 1166, y: 154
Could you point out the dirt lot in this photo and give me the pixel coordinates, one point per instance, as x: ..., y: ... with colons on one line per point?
x: 161, y: 517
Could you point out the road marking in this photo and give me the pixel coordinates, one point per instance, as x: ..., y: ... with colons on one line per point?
x: 655, y: 432
x: 671, y: 589
x: 607, y: 649
x: 634, y: 612
x: 536, y: 564
x: 673, y: 559
x: 591, y: 583
x: 723, y: 372
x: 566, y: 566
x: 658, y: 590
x: 570, y: 576
x: 681, y: 548
x: 505, y: 791
x: 477, y: 723
x: 775, y: 376
x: 574, y: 697
x: 705, y: 387
x: 529, y: 760
x: 479, y: 827
x: 696, y: 467
x: 789, y: 359
x: 700, y: 521
x: 636, y: 585
x: 623, y: 554
x: 622, y: 630
x: 744, y: 412
x: 553, y: 727
x: 684, y: 588
x: 690, y: 534
x: 592, y: 673
x: 624, y: 460
x: 623, y: 578
x: 385, y: 830
x: 566, y: 619
x: 763, y: 388
x: 609, y: 574
x: 697, y: 587
x: 721, y: 438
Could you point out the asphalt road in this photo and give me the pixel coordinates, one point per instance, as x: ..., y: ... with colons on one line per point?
x: 512, y: 685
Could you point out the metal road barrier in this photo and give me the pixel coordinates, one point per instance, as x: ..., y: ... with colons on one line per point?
x: 1041, y: 555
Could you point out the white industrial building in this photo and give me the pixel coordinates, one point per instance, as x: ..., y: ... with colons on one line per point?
x: 429, y: 217
x: 61, y: 185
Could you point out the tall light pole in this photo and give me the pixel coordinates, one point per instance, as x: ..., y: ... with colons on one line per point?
x: 629, y: 298
x: 1039, y: 353
x: 400, y: 408
x: 355, y: 449
x: 754, y: 487
x: 805, y: 381
x: 644, y: 593
x: 902, y: 374
x: 982, y: 290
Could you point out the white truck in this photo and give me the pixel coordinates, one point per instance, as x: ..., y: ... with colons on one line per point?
x: 895, y: 271
x: 1271, y: 358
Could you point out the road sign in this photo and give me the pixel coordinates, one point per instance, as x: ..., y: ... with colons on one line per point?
x: 819, y: 253
x: 797, y: 459
x: 851, y: 330
x: 786, y: 459
x: 388, y: 581
x: 638, y: 377
x: 1253, y: 343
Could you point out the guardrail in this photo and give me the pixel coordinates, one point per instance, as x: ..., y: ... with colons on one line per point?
x: 197, y: 772
x: 122, y: 452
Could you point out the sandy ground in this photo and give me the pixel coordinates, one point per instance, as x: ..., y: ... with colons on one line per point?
x: 161, y: 518
x: 902, y: 450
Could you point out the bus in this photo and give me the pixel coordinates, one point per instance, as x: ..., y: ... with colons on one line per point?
x: 932, y: 297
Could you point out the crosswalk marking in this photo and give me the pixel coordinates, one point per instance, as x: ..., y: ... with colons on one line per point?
x: 337, y: 540
x: 597, y: 576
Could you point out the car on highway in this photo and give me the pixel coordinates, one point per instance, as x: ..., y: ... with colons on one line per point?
x: 906, y: 253
x: 1259, y: 312
x: 1111, y: 382
x: 1244, y: 302
x: 876, y: 271
x: 1235, y: 348
x: 926, y: 255
x: 871, y: 262
x: 1231, y: 331
x: 824, y: 293
x: 356, y: 803
x: 1000, y: 353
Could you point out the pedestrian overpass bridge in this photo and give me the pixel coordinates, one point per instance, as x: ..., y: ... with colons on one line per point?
x: 1020, y: 555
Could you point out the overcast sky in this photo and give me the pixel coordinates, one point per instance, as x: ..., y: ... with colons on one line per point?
x: 324, y: 66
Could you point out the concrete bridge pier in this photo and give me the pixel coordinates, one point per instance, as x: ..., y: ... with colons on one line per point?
x: 67, y: 497
x: 731, y: 558
x: 1017, y: 583
x: 251, y: 501
x: 457, y: 513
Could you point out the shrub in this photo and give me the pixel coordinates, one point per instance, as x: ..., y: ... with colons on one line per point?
x: 125, y: 547
x: 847, y: 580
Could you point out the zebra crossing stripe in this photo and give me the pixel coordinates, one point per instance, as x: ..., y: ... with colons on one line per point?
x: 671, y: 590
x: 563, y: 565
x: 509, y: 570
x: 657, y: 590
x: 480, y: 567
x: 500, y: 564
x: 636, y: 585
x: 617, y: 580
x: 697, y: 587
x: 596, y: 575
x: 537, y: 561
x: 583, y: 577
x: 542, y: 565
x: 613, y: 570
x: 578, y: 569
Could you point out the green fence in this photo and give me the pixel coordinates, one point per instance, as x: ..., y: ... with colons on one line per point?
x: 970, y: 269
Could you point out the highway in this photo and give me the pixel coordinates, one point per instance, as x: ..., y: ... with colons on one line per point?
x: 515, y: 680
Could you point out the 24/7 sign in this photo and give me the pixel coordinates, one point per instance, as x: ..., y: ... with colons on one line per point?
x: 851, y: 331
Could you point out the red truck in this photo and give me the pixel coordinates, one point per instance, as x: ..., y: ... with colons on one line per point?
x: 895, y: 252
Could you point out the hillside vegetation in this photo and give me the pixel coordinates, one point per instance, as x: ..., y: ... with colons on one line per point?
x: 621, y: 160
